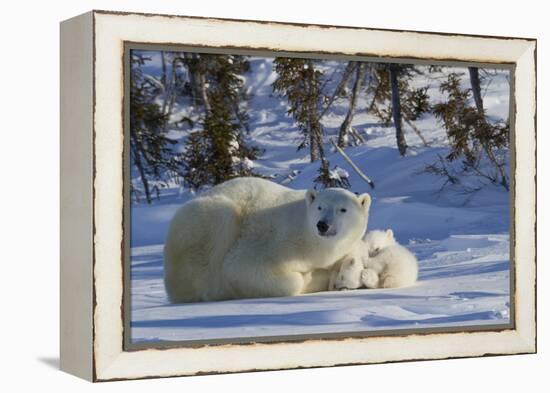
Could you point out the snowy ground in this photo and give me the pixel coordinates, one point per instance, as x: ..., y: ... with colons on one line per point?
x: 463, y: 280
x: 461, y: 241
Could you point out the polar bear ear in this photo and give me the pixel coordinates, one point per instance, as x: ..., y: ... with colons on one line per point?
x: 364, y: 201
x: 310, y: 196
x: 389, y: 232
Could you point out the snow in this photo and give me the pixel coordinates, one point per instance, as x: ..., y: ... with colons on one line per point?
x: 338, y: 173
x: 248, y: 163
x: 455, y: 288
x: 460, y: 239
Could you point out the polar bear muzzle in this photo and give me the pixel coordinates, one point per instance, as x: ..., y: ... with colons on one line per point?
x: 325, y: 229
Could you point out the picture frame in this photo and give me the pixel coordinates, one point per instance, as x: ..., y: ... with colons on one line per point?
x: 94, y: 296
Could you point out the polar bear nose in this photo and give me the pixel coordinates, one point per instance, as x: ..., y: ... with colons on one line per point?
x: 322, y: 226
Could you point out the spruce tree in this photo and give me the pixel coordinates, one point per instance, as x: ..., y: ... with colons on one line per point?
x: 300, y: 83
x: 151, y: 150
x: 396, y: 101
x: 219, y: 151
x: 346, y: 130
x: 471, y: 135
x: 475, y: 82
x: 394, y: 71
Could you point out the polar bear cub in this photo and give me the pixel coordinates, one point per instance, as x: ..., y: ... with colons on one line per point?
x: 389, y: 265
x: 379, y: 261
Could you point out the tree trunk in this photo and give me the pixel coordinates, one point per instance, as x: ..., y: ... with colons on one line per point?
x: 313, y: 144
x: 377, y: 90
x: 197, y: 79
x: 360, y: 74
x: 163, y: 75
x: 240, y: 118
x: 167, y: 82
x: 320, y: 147
x: 396, y: 109
x: 314, y: 127
x: 203, y: 92
x: 476, y: 88
x: 341, y: 85
x: 170, y: 95
x: 141, y: 170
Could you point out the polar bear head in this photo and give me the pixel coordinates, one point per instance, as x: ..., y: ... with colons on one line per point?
x: 378, y: 240
x: 337, y: 214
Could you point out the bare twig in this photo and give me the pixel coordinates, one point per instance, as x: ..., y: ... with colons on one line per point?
x: 416, y: 130
x: 329, y: 79
x: 352, y: 164
x: 357, y: 136
x: 343, y: 82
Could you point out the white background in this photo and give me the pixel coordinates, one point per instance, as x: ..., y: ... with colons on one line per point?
x: 29, y: 197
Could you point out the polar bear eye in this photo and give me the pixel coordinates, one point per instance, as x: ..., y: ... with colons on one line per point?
x: 343, y: 210
x: 318, y: 207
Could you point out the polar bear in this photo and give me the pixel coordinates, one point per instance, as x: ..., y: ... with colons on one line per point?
x: 389, y: 265
x: 250, y: 237
x: 378, y: 261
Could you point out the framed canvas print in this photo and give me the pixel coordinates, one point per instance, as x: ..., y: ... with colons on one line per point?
x: 246, y: 195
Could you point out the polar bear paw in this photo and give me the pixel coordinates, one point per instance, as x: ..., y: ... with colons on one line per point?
x: 349, y: 276
x: 369, y: 278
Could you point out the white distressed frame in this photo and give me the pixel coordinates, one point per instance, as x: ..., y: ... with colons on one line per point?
x: 109, y: 361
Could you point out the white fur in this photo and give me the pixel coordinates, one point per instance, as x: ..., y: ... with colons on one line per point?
x: 395, y: 265
x: 347, y: 275
x: 250, y: 237
x: 385, y: 264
